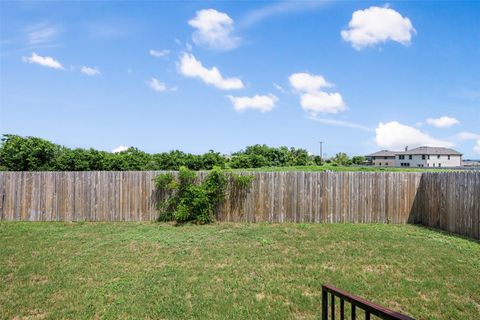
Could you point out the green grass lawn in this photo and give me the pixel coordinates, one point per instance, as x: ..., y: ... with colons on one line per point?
x: 230, y: 271
x: 330, y: 167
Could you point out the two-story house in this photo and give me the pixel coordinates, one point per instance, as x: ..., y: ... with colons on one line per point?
x: 418, y: 157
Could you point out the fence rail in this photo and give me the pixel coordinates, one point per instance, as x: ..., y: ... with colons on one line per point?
x: 449, y: 200
x: 355, y: 302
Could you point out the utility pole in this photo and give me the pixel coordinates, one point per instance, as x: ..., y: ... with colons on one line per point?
x: 321, y: 143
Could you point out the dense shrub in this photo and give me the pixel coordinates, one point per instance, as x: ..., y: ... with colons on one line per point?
x: 187, y: 200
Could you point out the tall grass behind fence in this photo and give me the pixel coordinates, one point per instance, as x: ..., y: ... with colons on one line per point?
x: 450, y: 201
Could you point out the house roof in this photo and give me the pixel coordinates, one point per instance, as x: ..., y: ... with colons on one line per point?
x: 383, y: 153
x: 431, y: 151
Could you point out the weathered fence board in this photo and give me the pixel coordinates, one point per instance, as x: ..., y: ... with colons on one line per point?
x: 449, y: 201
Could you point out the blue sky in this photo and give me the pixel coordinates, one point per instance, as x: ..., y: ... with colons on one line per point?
x: 195, y: 76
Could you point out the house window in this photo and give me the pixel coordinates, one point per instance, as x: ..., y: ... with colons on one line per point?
x: 428, y: 157
x: 386, y: 163
x: 385, y: 158
x: 401, y: 157
x: 439, y: 164
x: 448, y: 157
x: 423, y: 157
x: 410, y: 157
x: 438, y: 157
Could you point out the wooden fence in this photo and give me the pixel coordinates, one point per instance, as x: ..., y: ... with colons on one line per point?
x: 449, y: 201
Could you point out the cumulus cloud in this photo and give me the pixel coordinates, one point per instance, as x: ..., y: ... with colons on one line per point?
x: 305, y: 82
x: 394, y: 135
x: 159, y: 53
x: 213, y: 30
x: 263, y: 103
x: 189, y: 66
x: 120, y: 149
x: 477, y: 147
x: 377, y: 25
x: 156, y: 85
x: 90, y: 71
x: 470, y: 136
x: 467, y: 136
x: 312, y: 98
x: 43, y: 61
x: 442, y: 122
x: 322, y: 102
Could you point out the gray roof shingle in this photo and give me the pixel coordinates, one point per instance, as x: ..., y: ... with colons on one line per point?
x: 431, y: 151
x: 383, y: 153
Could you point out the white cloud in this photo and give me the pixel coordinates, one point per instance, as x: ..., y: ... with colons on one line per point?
x: 120, y: 149
x: 191, y: 67
x: 442, y: 122
x: 394, y: 135
x: 157, y: 85
x: 263, y: 103
x: 312, y: 98
x: 159, y: 54
x: 43, y: 61
x: 477, y: 147
x: 90, y: 71
x: 322, y: 102
x: 467, y: 136
x: 377, y: 25
x: 41, y: 33
x: 305, y: 82
x: 213, y: 30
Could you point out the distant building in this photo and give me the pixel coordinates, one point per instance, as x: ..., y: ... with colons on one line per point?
x: 471, y: 163
x: 418, y: 157
x: 382, y: 158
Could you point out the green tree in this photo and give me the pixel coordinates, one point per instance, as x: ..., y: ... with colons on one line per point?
x: 28, y: 153
x: 130, y: 159
x: 213, y: 159
x: 81, y: 160
x: 358, y: 160
x: 342, y: 159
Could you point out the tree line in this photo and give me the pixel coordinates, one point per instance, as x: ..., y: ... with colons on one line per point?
x: 19, y: 153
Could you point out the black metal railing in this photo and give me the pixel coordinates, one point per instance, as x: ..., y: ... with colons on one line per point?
x: 368, y: 308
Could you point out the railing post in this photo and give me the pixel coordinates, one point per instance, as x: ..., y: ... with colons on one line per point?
x: 342, y: 309
x: 324, y: 304
x: 355, y: 302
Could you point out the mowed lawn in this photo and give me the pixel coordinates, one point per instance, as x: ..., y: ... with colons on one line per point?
x: 230, y: 271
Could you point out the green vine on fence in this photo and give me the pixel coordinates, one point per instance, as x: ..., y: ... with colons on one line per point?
x: 184, y: 198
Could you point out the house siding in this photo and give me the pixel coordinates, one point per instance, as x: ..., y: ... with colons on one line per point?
x: 382, y: 162
x: 434, y: 161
